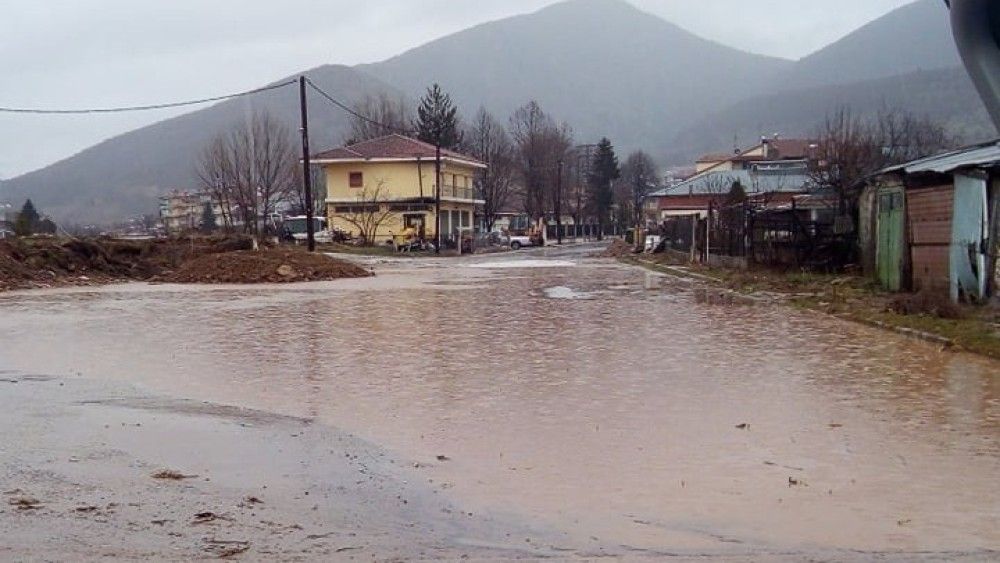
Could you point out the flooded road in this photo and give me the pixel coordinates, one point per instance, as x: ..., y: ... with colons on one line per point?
x: 554, y: 390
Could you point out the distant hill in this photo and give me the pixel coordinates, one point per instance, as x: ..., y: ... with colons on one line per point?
x: 947, y: 96
x: 605, y: 67
x: 908, y: 39
x: 124, y: 175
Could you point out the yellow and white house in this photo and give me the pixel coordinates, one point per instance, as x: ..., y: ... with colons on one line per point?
x: 391, y: 181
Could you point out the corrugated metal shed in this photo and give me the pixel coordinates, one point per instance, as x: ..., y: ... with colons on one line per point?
x: 986, y: 154
x: 753, y: 182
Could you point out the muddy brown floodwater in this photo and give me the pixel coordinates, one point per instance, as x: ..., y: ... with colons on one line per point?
x: 551, y: 391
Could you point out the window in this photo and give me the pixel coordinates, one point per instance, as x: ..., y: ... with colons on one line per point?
x: 357, y: 180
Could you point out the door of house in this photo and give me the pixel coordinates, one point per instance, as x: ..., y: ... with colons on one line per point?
x: 891, y: 223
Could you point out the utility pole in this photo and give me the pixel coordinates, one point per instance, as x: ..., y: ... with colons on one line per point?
x: 559, y: 187
x: 437, y: 195
x: 307, y: 167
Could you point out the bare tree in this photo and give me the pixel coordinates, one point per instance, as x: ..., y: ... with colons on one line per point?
x: 370, y: 212
x: 250, y: 170
x: 381, y: 115
x: 557, y: 151
x: 641, y: 176
x: 529, y: 127
x: 851, y: 148
x: 489, y: 142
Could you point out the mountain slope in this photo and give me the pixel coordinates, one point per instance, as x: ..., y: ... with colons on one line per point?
x: 124, y: 175
x: 602, y: 65
x: 914, y: 37
x: 946, y: 96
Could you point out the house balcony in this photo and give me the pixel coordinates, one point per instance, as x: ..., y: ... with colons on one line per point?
x: 461, y: 193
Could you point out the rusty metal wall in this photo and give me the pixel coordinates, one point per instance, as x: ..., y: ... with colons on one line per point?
x: 929, y: 213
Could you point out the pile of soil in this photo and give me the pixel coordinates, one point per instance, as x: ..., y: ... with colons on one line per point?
x: 272, y: 265
x: 49, y: 262
x: 618, y: 249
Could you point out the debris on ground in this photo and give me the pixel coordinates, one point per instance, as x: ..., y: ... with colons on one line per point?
x: 929, y: 303
x: 226, y: 549
x: 205, y: 518
x: 171, y: 475
x: 743, y: 426
x: 443, y: 458
x: 25, y: 503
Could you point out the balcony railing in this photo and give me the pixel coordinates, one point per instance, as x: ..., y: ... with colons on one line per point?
x: 458, y: 192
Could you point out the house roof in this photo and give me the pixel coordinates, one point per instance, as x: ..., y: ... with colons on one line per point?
x: 784, y: 149
x: 982, y: 155
x: 791, y: 148
x: 392, y: 147
x: 719, y: 182
x: 717, y: 157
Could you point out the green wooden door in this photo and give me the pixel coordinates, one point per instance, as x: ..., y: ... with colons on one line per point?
x: 891, y: 217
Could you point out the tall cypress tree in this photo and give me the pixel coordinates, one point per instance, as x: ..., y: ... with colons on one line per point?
x: 27, y: 220
x: 438, y: 119
x: 603, y: 172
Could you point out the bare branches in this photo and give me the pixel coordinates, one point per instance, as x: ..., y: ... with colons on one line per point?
x: 381, y: 115
x: 488, y: 141
x: 370, y: 212
x: 641, y: 177
x: 249, y: 171
x: 851, y: 148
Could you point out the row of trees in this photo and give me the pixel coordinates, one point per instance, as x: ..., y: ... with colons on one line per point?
x: 534, y: 163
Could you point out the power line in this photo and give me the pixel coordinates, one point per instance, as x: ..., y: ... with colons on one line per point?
x: 144, y: 108
x: 356, y: 114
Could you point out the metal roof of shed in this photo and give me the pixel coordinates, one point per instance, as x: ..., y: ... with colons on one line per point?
x: 977, y: 156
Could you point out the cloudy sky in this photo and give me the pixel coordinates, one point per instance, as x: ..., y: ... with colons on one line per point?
x: 72, y: 53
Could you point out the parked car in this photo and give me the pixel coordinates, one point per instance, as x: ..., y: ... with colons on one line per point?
x: 517, y: 242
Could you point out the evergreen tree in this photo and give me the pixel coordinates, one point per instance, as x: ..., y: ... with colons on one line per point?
x: 27, y: 220
x: 438, y: 120
x: 737, y: 194
x: 208, y: 223
x: 604, y: 171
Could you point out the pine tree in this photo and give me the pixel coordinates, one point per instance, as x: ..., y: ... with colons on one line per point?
x: 208, y: 223
x: 438, y: 121
x: 604, y: 171
x: 27, y: 220
x: 737, y: 194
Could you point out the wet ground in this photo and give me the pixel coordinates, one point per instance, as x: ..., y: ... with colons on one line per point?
x: 543, y: 404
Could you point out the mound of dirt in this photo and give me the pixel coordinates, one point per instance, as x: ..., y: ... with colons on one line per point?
x: 618, y: 249
x: 272, y: 265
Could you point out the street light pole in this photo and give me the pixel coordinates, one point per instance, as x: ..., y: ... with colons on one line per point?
x: 437, y: 195
x: 559, y: 187
x: 306, y: 167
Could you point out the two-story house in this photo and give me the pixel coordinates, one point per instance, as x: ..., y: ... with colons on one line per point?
x: 387, y: 185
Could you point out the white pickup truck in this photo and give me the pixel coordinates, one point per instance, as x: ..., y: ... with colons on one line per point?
x: 517, y: 242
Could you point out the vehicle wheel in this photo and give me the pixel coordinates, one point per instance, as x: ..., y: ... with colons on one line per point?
x: 515, y: 245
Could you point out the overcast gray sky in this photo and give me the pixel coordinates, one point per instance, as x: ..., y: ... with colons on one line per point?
x: 73, y: 53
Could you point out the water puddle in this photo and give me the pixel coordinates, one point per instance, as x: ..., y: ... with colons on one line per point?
x: 641, y: 418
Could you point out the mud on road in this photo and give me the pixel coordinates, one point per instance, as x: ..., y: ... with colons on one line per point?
x: 97, y: 471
